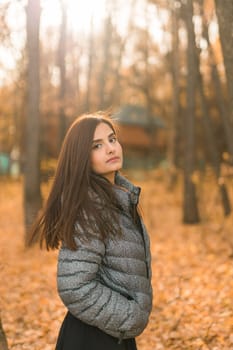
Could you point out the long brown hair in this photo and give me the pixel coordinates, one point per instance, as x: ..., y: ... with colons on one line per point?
x: 78, y: 198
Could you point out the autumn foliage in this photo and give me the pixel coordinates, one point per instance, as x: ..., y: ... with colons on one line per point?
x: 192, y: 275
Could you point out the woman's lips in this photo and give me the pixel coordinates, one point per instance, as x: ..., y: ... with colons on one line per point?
x: 113, y: 159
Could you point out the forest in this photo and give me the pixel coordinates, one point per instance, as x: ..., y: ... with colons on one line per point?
x: 164, y: 70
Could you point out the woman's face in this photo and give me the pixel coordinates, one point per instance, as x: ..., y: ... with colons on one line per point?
x: 106, y: 154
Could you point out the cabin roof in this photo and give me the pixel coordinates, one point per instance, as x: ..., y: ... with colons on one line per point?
x: 137, y: 115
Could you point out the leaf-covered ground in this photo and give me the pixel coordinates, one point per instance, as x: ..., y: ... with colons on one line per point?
x: 192, y: 276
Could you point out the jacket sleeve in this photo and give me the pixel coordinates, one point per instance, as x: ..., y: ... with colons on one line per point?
x: 91, y: 301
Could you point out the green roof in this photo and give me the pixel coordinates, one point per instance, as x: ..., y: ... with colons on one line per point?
x: 137, y: 115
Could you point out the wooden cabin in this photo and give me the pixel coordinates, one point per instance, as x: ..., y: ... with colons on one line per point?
x: 143, y: 137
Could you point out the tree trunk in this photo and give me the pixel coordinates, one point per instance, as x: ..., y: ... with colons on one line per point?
x: 213, y: 151
x: 211, y: 144
x: 190, y: 209
x: 224, y: 9
x: 223, y: 111
x: 62, y: 70
x: 87, y: 104
x: 3, y: 340
x: 32, y: 193
x: 173, y: 123
x: 121, y: 42
x: 105, y: 63
x: 227, y: 126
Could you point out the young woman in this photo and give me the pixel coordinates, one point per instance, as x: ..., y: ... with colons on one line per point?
x: 104, y: 272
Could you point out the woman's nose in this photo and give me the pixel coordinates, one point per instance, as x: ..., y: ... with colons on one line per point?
x: 110, y: 148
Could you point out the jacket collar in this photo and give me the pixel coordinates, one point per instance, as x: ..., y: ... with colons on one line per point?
x: 134, y: 191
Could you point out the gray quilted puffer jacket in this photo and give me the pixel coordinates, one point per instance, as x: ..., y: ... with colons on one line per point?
x: 108, y: 284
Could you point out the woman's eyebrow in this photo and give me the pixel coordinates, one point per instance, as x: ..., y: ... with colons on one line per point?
x: 99, y: 140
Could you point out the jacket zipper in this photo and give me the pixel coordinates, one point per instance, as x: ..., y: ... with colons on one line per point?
x: 120, y: 338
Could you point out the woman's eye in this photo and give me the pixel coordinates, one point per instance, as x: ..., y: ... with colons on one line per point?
x: 113, y: 139
x: 97, y: 145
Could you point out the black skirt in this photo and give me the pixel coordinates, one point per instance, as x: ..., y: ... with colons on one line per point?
x: 77, y: 335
